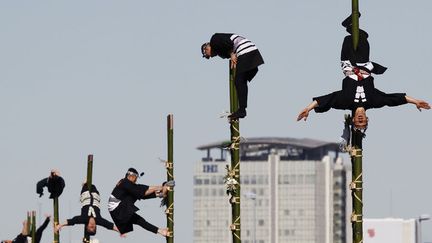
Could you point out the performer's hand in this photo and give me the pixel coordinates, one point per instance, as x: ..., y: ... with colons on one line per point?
x: 57, y: 228
x: 47, y: 215
x: 165, y: 191
x: 123, y: 235
x: 163, y: 231
x: 421, y: 104
x: 24, y: 230
x: 233, y: 60
x: 303, y: 114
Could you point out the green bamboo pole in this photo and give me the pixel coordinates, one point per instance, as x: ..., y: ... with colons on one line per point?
x: 33, y: 227
x: 89, y: 182
x: 89, y: 171
x: 170, y: 177
x: 357, y: 186
x: 355, y: 23
x: 28, y: 222
x: 56, y: 219
x: 235, y: 160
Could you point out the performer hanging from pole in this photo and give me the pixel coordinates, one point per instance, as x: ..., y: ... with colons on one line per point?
x: 121, y: 203
x: 245, y: 57
x: 25, y: 236
x: 55, y: 184
x: 90, y: 213
x: 358, y: 90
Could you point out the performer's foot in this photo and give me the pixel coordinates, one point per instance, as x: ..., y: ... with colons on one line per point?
x: 240, y: 113
x: 348, y: 21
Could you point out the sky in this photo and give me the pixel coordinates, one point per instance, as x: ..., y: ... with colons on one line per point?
x: 100, y: 77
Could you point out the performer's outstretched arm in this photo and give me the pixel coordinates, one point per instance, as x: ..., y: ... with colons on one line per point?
x: 153, y: 189
x: 106, y: 224
x: 69, y: 222
x: 41, y: 228
x: 420, y: 104
x: 305, y: 112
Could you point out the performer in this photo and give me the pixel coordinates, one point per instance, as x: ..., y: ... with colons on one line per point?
x: 90, y: 213
x: 54, y: 182
x: 121, y: 203
x: 25, y: 236
x: 245, y: 57
x: 358, y: 90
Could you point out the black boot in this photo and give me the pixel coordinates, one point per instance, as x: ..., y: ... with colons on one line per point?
x: 348, y: 21
x: 240, y: 113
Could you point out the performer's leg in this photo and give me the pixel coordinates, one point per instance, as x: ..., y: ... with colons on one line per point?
x: 138, y: 220
x: 242, y: 89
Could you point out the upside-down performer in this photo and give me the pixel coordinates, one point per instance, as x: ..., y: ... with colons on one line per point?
x: 245, y: 57
x: 121, y: 203
x: 90, y: 215
x: 358, y: 90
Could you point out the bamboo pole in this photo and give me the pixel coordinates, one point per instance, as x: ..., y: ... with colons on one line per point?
x: 89, y: 182
x: 355, y: 23
x: 235, y: 160
x: 33, y: 227
x: 56, y: 219
x: 89, y: 171
x: 170, y: 177
x: 357, y: 186
x: 28, y: 222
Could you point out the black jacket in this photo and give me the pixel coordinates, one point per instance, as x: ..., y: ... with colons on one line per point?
x: 344, y: 99
x: 128, y: 193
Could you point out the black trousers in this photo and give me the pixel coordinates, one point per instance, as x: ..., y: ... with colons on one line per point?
x: 138, y: 220
x: 241, y: 85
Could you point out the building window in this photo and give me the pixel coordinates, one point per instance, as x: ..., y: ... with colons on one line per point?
x: 245, y: 179
x: 260, y: 180
x: 253, y: 180
x: 261, y: 222
x: 213, y: 180
x: 309, y: 179
x: 197, y: 181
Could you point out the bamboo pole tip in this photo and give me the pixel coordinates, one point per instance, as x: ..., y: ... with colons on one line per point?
x: 170, y: 121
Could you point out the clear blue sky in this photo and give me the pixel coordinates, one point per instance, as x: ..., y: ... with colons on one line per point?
x: 81, y: 77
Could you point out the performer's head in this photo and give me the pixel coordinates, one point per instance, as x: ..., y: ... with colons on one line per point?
x: 360, y: 120
x: 91, y: 226
x: 132, y: 175
x: 206, y: 50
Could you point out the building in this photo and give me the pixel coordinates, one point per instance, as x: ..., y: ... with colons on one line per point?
x: 294, y: 190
